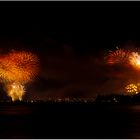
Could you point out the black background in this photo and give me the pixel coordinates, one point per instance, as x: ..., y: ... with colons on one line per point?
x: 101, y: 24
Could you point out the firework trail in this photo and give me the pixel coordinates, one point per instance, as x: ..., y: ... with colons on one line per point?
x: 16, y: 69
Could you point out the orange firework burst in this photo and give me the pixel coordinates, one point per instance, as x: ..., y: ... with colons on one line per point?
x: 18, y: 67
x: 119, y: 56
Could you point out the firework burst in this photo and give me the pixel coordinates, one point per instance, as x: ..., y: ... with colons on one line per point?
x: 133, y: 88
x: 119, y: 56
x: 17, y: 69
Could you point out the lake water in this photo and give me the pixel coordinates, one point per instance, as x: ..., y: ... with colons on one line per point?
x: 69, y: 121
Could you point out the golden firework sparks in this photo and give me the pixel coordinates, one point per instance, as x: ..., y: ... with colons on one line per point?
x: 15, y: 91
x: 132, y: 89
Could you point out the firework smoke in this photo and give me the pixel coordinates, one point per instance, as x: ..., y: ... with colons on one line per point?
x: 17, y: 69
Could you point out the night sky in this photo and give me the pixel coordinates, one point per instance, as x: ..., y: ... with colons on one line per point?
x: 70, y: 39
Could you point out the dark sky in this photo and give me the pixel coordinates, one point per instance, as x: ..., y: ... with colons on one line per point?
x: 70, y: 39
